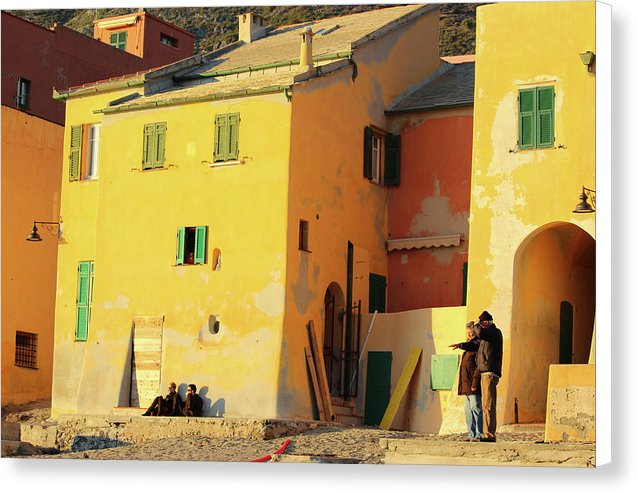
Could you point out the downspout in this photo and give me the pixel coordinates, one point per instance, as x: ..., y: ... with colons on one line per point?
x: 350, y: 58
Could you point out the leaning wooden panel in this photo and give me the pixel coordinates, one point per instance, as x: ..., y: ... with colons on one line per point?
x: 401, y: 387
x: 317, y: 354
x: 315, y: 385
x: 146, y: 362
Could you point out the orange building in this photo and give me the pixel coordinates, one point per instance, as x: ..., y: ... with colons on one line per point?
x: 428, y: 214
x: 34, y: 60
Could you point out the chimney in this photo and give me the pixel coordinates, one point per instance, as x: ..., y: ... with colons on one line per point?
x: 251, y: 27
x: 305, y: 63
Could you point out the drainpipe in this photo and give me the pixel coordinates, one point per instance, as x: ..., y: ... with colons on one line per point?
x: 305, y: 60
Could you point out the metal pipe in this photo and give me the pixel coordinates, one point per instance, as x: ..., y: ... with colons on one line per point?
x: 360, y: 357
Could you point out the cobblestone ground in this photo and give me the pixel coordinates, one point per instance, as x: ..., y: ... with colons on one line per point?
x: 360, y: 443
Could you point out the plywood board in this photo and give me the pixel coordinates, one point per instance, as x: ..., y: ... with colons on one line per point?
x: 315, y: 385
x: 401, y: 387
x: 321, y: 374
x: 146, y: 362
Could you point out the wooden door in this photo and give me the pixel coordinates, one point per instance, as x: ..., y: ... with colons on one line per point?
x: 378, y: 386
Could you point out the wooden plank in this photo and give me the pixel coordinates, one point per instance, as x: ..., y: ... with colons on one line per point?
x: 317, y: 353
x: 317, y: 391
x: 401, y: 387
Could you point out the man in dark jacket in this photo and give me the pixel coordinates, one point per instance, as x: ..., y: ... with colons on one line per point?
x: 194, y: 404
x: 469, y: 384
x: 166, y: 406
x: 489, y: 361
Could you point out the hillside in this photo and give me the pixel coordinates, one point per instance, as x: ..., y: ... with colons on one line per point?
x: 217, y: 26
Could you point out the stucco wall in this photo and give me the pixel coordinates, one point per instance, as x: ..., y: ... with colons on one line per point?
x: 31, y: 168
x: 328, y: 188
x: 516, y: 192
x: 127, y: 220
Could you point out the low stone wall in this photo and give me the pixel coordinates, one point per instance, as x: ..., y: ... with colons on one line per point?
x: 570, y: 407
x: 84, y: 432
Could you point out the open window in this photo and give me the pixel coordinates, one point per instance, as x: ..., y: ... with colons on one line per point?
x: 191, y: 245
x: 381, y: 157
x: 84, y: 153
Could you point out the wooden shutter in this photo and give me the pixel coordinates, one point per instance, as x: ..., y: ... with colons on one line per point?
x: 221, y: 134
x: 200, y: 244
x: 367, y: 153
x: 377, y: 288
x: 392, y: 161
x: 160, y: 150
x: 233, y: 136
x: 121, y: 42
x: 545, y: 116
x: 378, y: 386
x: 181, y: 244
x: 526, y: 118
x: 149, y: 145
x: 75, y: 156
x: 82, y: 302
x: 114, y: 40
x: 443, y: 371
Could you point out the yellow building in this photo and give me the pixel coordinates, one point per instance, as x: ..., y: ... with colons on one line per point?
x: 214, y: 206
x: 531, y: 258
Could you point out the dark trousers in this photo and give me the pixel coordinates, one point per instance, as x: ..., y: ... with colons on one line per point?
x: 157, y: 408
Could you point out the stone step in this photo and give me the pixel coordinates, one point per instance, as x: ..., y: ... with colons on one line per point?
x: 349, y: 420
x: 10, y: 430
x: 522, y: 428
x: 343, y: 410
x: 418, y: 451
x: 128, y: 411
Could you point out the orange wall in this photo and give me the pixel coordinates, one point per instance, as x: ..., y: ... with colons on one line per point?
x: 432, y: 199
x: 31, y: 169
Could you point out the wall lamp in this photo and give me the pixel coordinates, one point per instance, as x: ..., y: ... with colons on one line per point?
x: 588, y: 58
x: 50, y: 227
x: 584, y: 206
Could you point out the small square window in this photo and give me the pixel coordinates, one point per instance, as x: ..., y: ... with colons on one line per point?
x: 24, y: 92
x: 304, y: 233
x: 26, y: 349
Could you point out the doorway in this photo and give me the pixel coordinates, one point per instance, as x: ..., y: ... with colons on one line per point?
x: 333, y: 340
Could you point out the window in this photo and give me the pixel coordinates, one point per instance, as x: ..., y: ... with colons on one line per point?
x: 118, y: 40
x: 226, y: 137
x: 377, y: 289
x: 154, y: 145
x: 26, y: 350
x: 536, y: 117
x: 84, y: 165
x: 381, y: 157
x: 443, y: 371
x: 168, y: 40
x: 24, y: 90
x: 304, y: 230
x: 191, y: 245
x: 84, y: 301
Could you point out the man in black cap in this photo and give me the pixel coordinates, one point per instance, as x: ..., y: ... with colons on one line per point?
x: 490, y: 367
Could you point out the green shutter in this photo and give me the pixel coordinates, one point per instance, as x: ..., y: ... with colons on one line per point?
x: 221, y: 146
x: 377, y: 386
x: 83, y: 297
x: 377, y: 288
x: 149, y: 145
x: 160, y: 149
x: 233, y: 136
x: 546, y: 116
x: 526, y: 118
x: 114, y: 37
x: 181, y: 244
x: 367, y: 153
x: 75, y: 156
x: 443, y: 371
x: 392, y: 161
x: 200, y: 244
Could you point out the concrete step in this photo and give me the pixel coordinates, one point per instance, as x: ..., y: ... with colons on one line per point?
x: 349, y: 420
x: 317, y: 459
x: 10, y: 430
x: 128, y: 411
x: 420, y: 451
x: 522, y: 428
x: 343, y: 410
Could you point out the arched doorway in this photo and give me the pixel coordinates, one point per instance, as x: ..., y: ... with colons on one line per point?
x: 553, y: 312
x: 333, y: 340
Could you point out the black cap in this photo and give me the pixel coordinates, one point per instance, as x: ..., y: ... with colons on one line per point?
x: 485, y: 315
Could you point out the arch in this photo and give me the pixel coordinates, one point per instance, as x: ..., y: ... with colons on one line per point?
x: 333, y: 337
x: 553, y: 307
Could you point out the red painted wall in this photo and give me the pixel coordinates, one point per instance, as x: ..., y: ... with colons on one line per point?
x: 433, y: 199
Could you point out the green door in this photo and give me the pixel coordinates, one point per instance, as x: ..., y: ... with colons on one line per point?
x: 566, y: 333
x: 377, y: 292
x: 378, y: 386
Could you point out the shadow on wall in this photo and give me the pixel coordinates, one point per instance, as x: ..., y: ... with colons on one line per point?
x: 216, y: 409
x: 125, y: 384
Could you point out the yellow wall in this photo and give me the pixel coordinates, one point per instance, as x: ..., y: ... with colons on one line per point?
x: 328, y: 189
x: 31, y: 155
x: 516, y: 192
x: 127, y: 220
x: 432, y: 329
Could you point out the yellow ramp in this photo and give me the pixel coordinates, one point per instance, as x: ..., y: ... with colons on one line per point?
x: 401, y: 387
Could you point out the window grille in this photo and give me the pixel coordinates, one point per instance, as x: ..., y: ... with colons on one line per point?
x: 26, y: 349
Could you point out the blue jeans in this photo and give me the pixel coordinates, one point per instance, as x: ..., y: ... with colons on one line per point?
x: 473, y: 415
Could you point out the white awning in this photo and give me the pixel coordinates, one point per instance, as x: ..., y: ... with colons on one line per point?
x: 121, y: 22
x: 425, y: 242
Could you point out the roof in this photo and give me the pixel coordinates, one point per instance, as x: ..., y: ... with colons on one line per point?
x: 335, y: 39
x: 450, y: 86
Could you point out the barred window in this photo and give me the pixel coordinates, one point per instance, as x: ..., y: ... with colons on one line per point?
x: 26, y: 349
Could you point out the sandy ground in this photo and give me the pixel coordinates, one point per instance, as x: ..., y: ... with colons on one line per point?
x: 360, y: 443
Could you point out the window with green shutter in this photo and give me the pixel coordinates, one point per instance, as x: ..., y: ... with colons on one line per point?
x: 226, y: 137
x: 75, y: 156
x: 118, y: 40
x: 443, y: 371
x: 536, y: 117
x: 381, y: 157
x: 84, y: 301
x: 154, y: 145
x: 191, y: 245
x: 377, y: 292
